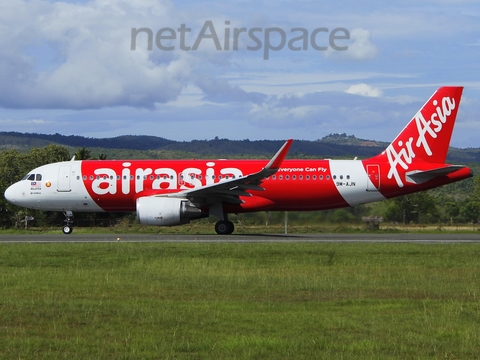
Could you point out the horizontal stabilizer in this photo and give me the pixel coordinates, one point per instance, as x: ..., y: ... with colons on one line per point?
x: 421, y: 176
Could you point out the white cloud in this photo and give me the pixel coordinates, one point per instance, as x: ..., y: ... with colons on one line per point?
x: 360, y: 47
x: 364, y: 90
x: 69, y: 62
x: 92, y: 63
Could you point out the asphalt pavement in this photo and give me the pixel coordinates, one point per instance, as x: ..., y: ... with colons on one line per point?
x: 242, y: 238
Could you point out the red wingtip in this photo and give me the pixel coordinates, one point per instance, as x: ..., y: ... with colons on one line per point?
x: 277, y: 160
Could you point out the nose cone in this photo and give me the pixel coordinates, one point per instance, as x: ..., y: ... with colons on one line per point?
x: 11, y: 194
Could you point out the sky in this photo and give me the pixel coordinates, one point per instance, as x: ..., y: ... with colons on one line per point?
x: 260, y: 69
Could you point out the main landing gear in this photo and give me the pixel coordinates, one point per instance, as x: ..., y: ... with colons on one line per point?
x: 224, y: 227
x: 68, y: 227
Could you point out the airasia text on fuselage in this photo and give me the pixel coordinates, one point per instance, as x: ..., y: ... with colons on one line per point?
x: 107, y: 180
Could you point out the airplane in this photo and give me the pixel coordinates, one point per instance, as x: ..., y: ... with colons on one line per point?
x: 174, y: 192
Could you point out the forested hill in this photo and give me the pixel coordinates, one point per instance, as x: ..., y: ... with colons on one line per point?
x: 21, y: 140
x: 334, y: 146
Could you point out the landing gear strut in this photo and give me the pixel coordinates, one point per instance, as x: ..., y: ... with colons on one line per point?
x: 224, y: 227
x: 68, y: 227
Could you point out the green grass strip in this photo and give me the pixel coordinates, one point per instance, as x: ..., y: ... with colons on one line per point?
x: 239, y: 301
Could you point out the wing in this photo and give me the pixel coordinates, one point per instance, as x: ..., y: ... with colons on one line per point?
x: 231, y: 190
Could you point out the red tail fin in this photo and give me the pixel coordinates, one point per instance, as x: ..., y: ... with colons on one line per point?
x: 426, y: 137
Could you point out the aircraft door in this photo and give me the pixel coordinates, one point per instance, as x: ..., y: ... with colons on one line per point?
x: 64, y: 179
x: 373, y: 172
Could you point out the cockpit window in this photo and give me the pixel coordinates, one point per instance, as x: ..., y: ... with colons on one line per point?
x: 33, y: 177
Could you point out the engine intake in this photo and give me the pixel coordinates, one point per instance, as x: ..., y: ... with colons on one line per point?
x: 163, y: 211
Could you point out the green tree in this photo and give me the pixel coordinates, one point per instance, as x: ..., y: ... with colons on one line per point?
x: 420, y: 206
x: 83, y: 154
x: 451, y: 209
x: 470, y: 211
x: 476, y: 189
x: 47, y: 155
x: 14, y: 166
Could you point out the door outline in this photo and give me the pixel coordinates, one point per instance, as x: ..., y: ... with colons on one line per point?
x: 63, y: 184
x: 373, y: 172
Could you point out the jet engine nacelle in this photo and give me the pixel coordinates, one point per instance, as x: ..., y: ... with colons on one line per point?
x: 163, y: 211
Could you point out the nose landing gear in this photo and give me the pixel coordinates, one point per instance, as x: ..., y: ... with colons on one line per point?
x: 68, y: 227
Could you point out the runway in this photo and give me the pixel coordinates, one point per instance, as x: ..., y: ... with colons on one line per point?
x: 242, y: 238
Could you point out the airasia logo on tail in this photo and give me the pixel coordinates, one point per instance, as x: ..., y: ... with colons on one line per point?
x: 403, y: 155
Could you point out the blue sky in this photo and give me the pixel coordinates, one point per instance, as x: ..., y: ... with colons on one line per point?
x: 67, y: 67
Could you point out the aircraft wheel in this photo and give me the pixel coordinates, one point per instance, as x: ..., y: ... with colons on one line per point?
x: 67, y: 229
x: 224, y: 227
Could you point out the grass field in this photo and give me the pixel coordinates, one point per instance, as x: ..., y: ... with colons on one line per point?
x: 239, y: 301
x: 208, y: 227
